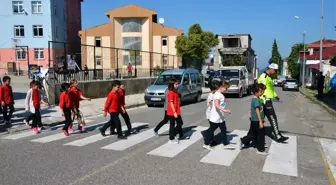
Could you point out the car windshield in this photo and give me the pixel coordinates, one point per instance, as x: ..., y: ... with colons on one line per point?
x: 232, y: 73
x: 291, y: 80
x: 164, y: 79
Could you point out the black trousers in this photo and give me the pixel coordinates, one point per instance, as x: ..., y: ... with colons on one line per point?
x: 36, y: 117
x: 272, y: 118
x: 8, y: 112
x: 30, y: 117
x: 127, y: 121
x: 255, y: 134
x: 163, y: 122
x: 68, y: 120
x: 209, y: 133
x: 175, y: 127
x: 114, y: 123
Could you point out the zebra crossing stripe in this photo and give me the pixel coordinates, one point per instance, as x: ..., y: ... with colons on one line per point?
x: 171, y: 150
x: 282, y: 158
x: 60, y: 136
x: 134, y: 140
x: 20, y: 135
x: 329, y: 150
x: 222, y: 156
x: 97, y: 137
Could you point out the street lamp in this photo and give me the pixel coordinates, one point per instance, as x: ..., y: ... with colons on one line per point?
x: 321, y: 36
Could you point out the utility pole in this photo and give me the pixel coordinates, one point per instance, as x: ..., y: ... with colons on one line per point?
x: 304, y: 59
x: 321, y: 36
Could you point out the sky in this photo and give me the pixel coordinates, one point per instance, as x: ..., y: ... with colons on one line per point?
x: 265, y: 20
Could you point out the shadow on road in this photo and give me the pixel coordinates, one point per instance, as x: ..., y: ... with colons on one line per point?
x: 19, y: 95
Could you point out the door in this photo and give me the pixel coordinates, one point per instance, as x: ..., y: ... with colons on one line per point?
x: 186, y: 87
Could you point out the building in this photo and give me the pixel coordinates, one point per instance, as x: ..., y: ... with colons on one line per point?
x: 235, y: 44
x: 29, y: 25
x: 131, y: 34
x: 312, y: 67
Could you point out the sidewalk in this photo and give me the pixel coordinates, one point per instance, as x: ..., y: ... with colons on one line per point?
x: 51, y: 116
x: 327, y: 102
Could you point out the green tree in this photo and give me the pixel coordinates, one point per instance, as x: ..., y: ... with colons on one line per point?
x: 333, y: 61
x: 276, y: 57
x: 293, y: 66
x: 195, y: 47
x: 233, y: 60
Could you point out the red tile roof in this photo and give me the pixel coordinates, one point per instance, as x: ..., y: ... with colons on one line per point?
x: 327, y: 54
x: 326, y: 43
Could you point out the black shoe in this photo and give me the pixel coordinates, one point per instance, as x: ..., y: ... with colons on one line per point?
x: 122, y: 137
x: 113, y: 133
x: 281, y: 139
x: 101, y: 132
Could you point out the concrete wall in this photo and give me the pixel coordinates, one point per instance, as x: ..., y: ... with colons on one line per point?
x: 100, y: 89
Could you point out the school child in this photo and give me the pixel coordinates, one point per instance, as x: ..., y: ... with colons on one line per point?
x: 112, y: 106
x: 216, y: 117
x: 34, y: 107
x: 174, y: 112
x: 256, y: 132
x: 123, y: 112
x: 7, y: 100
x: 66, y: 105
x: 27, y: 103
x: 213, y: 89
x: 77, y: 95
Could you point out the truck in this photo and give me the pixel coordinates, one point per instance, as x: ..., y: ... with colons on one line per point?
x: 239, y: 78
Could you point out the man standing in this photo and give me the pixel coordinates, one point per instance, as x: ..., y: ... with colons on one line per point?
x: 320, y: 85
x: 266, y: 98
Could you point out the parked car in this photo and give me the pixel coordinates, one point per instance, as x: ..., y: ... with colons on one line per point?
x: 208, y: 77
x: 190, y: 86
x: 291, y: 84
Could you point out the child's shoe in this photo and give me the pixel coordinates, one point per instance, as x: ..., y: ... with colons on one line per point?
x: 26, y: 122
x: 208, y: 147
x: 65, y: 132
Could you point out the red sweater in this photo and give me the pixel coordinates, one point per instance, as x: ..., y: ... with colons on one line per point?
x: 65, y: 100
x: 36, y: 99
x: 122, y: 96
x: 76, y: 94
x: 112, y: 103
x: 6, y: 94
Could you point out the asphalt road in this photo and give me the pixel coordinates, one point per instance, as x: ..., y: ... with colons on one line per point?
x: 145, y: 159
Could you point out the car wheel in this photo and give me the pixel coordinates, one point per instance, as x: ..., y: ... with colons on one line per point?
x: 283, y: 89
x: 240, y: 95
x: 199, y: 97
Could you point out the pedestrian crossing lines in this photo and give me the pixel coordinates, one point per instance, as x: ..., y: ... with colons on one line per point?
x: 282, y: 158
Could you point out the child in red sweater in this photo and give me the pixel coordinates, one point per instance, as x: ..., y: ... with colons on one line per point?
x: 7, y: 100
x: 77, y: 95
x: 66, y: 104
x: 174, y: 111
x: 35, y: 110
x: 112, y: 106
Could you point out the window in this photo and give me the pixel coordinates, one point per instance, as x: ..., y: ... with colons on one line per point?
x: 164, y: 60
x: 20, y: 54
x: 56, y: 32
x: 18, y: 7
x: 19, y: 31
x: 164, y: 41
x: 98, y: 60
x: 36, y: 7
x: 193, y: 78
x: 132, y: 43
x: 38, y: 30
x: 55, y: 10
x: 38, y: 53
x: 98, y: 41
x: 131, y: 25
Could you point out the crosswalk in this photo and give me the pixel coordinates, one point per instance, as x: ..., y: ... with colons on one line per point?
x: 282, y: 158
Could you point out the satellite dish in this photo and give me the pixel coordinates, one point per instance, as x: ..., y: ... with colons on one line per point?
x: 161, y: 20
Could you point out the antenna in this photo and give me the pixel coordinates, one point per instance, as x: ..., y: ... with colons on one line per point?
x: 161, y: 20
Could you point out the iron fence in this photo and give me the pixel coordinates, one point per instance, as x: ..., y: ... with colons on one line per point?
x: 98, y: 63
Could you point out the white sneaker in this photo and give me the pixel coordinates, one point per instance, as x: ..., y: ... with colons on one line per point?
x: 240, y: 144
x: 208, y: 147
x: 229, y: 147
x: 262, y: 153
x: 175, y: 141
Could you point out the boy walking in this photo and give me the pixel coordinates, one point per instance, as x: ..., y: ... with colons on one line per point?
x: 7, y: 100
x: 257, y: 130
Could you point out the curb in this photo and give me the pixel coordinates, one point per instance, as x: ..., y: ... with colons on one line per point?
x: 323, y: 105
x: 24, y: 128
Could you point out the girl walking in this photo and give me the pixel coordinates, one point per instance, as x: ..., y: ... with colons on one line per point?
x: 174, y: 112
x: 34, y: 107
x: 66, y: 105
x: 216, y: 117
x: 28, y: 102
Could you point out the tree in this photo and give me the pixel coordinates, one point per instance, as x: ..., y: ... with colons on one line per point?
x: 195, y: 47
x: 293, y: 66
x: 276, y: 57
x: 333, y: 61
x: 233, y: 60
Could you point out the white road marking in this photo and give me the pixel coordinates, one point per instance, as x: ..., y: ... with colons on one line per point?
x: 135, y: 139
x: 20, y: 135
x: 282, y: 158
x: 171, y: 150
x: 222, y: 156
x: 329, y: 150
x: 98, y: 137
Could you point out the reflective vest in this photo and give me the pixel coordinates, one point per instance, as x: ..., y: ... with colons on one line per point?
x: 269, y: 92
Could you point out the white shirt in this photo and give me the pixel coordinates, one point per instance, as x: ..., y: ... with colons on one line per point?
x: 208, y: 111
x: 216, y: 115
